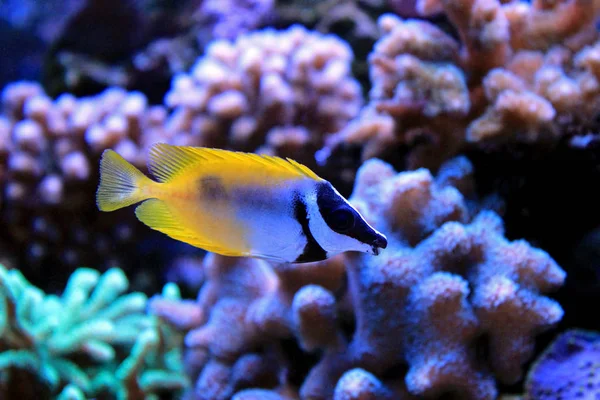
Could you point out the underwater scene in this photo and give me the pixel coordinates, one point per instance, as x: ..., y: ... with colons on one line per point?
x: 300, y: 199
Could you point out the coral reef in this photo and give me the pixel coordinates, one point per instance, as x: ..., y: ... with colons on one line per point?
x: 49, y: 152
x: 550, y: 199
x: 354, y: 21
x: 448, y: 285
x: 568, y: 369
x: 93, y: 339
x: 454, y: 306
x: 418, y: 98
x: 276, y: 92
x: 517, y: 72
x: 145, y: 43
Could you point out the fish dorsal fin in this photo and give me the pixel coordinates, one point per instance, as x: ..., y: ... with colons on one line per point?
x: 167, y: 161
x: 157, y: 215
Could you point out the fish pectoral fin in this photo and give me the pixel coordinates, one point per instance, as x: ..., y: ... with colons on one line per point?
x: 156, y: 214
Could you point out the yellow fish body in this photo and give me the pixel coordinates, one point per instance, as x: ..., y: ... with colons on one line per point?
x: 237, y: 204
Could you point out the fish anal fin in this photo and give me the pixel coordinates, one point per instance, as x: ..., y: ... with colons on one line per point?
x: 157, y: 215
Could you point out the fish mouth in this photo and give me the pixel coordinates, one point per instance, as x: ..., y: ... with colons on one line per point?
x: 379, y: 244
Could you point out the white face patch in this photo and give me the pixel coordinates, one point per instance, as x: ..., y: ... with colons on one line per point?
x: 331, y: 241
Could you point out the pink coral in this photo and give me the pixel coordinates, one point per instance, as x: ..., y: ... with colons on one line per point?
x: 276, y: 92
x: 447, y: 284
x: 49, y: 152
x: 520, y: 71
x: 418, y: 93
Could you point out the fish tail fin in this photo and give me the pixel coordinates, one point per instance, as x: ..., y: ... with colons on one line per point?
x: 121, y: 184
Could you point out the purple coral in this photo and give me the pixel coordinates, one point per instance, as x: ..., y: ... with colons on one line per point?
x: 569, y: 369
x: 456, y: 284
x: 521, y: 71
x: 223, y: 352
x: 270, y: 91
x: 49, y: 152
x: 449, y: 283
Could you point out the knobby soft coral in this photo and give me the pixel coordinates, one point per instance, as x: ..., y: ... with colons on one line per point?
x: 93, y: 339
x: 406, y: 323
x: 237, y: 325
x: 539, y: 95
x: 447, y: 283
x: 49, y: 155
x: 419, y: 96
x: 276, y: 92
x: 519, y: 71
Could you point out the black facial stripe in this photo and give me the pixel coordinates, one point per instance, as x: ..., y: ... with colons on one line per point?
x: 313, y: 250
x: 328, y: 201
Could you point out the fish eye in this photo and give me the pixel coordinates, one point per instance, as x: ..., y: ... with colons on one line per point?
x: 341, y: 219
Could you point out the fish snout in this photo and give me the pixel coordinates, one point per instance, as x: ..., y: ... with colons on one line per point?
x: 378, y: 244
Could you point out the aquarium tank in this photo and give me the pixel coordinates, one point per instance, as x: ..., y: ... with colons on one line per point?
x: 300, y: 200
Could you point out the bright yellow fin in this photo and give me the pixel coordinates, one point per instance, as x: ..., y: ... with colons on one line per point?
x: 120, y: 183
x: 167, y: 162
x: 156, y: 214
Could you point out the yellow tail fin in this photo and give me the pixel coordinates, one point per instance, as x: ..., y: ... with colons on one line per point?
x: 120, y: 183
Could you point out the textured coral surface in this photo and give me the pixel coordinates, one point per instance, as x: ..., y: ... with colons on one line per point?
x: 74, y: 344
x: 568, y: 369
x: 276, y: 92
x: 410, y: 322
x: 456, y: 307
x: 518, y: 72
x: 49, y: 152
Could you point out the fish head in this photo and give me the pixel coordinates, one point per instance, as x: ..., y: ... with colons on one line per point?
x: 338, y: 227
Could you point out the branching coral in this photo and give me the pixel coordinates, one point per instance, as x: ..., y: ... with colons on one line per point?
x: 354, y: 21
x: 418, y: 93
x: 49, y: 154
x: 277, y: 92
x: 448, y: 284
x: 518, y: 72
x: 242, y: 313
x: 539, y: 95
x: 74, y: 343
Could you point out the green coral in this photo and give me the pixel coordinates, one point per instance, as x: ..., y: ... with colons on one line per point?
x: 94, y: 340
